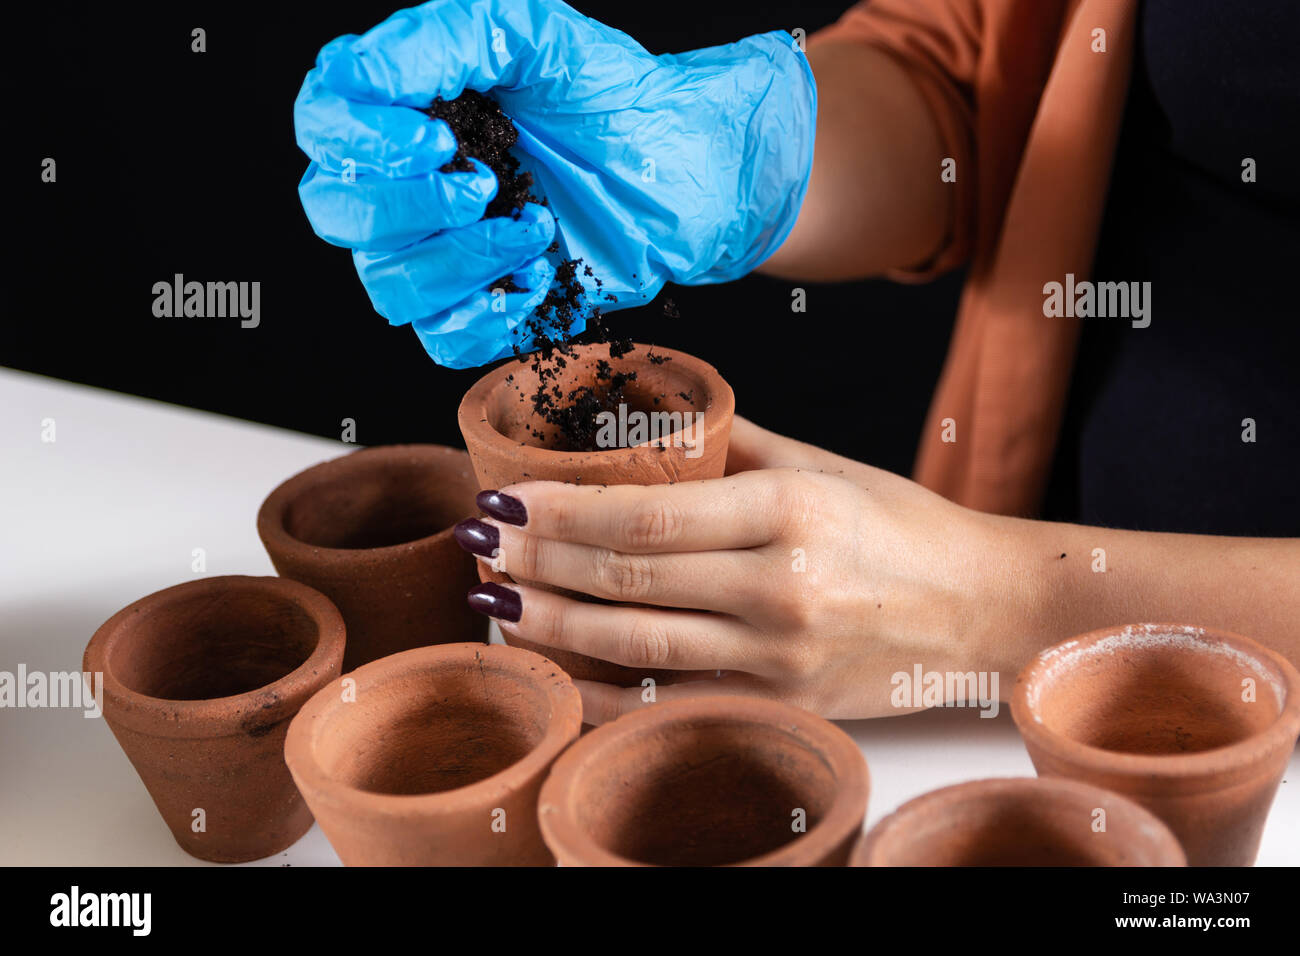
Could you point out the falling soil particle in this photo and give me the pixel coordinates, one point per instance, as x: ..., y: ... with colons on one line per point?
x: 485, y: 133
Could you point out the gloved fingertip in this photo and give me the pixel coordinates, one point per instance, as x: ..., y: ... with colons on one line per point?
x: 532, y: 281
x: 507, y: 238
x: 488, y: 324
x: 538, y: 221
x: 536, y: 274
x: 337, y: 46
x: 439, y: 136
x: 480, y: 185
x: 343, y: 72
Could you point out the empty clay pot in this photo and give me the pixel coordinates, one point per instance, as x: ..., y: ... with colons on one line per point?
x: 1195, y: 724
x: 707, y: 782
x: 498, y: 423
x: 1021, y: 821
x: 434, y: 756
x: 373, y: 531
x: 200, y: 683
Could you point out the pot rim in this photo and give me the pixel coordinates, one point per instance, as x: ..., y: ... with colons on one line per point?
x: 999, y: 789
x: 218, y: 716
x: 476, y: 428
x: 271, y: 515
x: 563, y: 728
x: 1212, y: 769
x: 836, y: 748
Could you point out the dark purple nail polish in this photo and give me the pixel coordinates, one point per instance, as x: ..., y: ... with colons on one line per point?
x: 497, y: 601
x: 502, y: 507
x: 478, y: 537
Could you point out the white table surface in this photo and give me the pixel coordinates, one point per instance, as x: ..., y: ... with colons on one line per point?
x: 112, y: 510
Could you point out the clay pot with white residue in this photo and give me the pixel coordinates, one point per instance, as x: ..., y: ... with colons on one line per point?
x: 1195, y: 724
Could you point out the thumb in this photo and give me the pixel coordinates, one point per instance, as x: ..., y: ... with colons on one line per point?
x: 751, y: 447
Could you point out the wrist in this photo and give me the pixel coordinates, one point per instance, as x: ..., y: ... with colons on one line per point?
x: 1026, y: 585
x: 773, y: 146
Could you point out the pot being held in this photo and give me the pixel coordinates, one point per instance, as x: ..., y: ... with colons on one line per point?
x: 500, y: 428
x: 200, y: 683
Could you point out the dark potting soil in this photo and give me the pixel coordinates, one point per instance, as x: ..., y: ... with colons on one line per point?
x: 573, y: 414
x: 485, y: 133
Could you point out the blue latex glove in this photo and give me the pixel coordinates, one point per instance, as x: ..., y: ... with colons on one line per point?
x: 687, y: 168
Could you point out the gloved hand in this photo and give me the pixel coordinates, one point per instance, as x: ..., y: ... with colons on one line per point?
x: 685, y: 167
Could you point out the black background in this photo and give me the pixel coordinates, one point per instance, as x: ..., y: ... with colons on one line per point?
x: 173, y: 161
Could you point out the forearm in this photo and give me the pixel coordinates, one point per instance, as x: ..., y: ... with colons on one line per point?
x: 875, y: 200
x: 1016, y: 586
x: 1063, y: 579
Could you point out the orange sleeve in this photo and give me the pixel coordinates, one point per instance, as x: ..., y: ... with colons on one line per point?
x: 938, y: 42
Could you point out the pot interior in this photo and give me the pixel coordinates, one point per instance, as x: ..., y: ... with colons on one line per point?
x: 432, y: 730
x: 1028, y: 828
x: 374, y: 503
x: 1146, y: 691
x: 664, y: 394
x: 706, y: 793
x: 201, y: 647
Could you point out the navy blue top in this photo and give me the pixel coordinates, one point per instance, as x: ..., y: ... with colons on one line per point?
x: 1153, y: 431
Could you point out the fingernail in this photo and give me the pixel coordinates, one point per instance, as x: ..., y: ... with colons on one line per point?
x: 477, y: 537
x: 502, y: 507
x: 497, y: 601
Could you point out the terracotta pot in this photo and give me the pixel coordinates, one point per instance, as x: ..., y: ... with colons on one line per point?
x: 435, y: 756
x: 498, y: 424
x: 372, y: 530
x: 1022, y: 821
x: 1197, y: 725
x: 707, y: 782
x: 200, y: 683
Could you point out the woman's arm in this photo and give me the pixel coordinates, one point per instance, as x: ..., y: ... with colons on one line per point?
x: 1079, y: 578
x: 1056, y: 580
x: 875, y: 200
x: 813, y: 578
